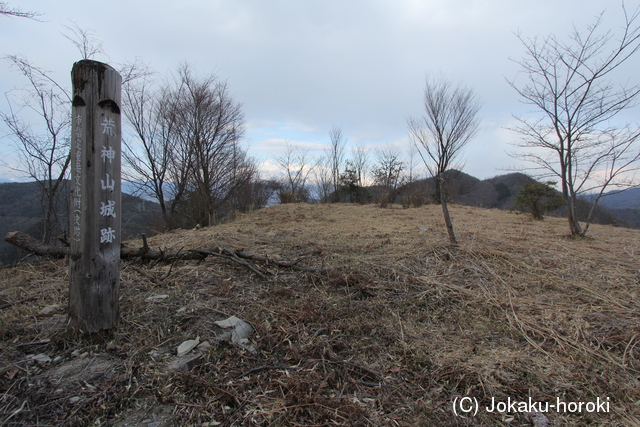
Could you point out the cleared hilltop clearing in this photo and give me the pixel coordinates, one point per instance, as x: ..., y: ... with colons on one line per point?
x: 386, y: 327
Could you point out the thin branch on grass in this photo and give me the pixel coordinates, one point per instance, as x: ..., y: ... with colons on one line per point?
x: 28, y: 243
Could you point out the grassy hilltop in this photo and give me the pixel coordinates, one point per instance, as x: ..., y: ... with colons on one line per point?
x: 382, y: 323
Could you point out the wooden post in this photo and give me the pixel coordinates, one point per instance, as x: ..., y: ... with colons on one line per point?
x: 94, y: 266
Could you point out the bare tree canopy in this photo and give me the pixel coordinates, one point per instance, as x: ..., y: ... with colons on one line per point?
x: 446, y: 128
x: 7, y: 10
x: 335, y: 156
x: 39, y: 127
x: 575, y: 134
x: 186, y: 149
x: 360, y: 160
x: 38, y: 120
x: 295, y: 165
x: 152, y: 154
x: 387, y: 173
x: 84, y: 39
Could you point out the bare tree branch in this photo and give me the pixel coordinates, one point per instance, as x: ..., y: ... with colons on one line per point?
x: 294, y: 163
x: 43, y: 146
x: 576, y: 136
x: 7, y: 10
x: 85, y: 40
x: 335, y: 156
x: 186, y: 152
x: 446, y: 128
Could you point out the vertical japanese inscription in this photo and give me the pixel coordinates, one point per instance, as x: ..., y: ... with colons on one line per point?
x: 76, y: 181
x: 108, y: 184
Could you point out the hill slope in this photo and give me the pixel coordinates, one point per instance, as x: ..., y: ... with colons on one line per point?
x: 20, y: 210
x: 629, y: 199
x: 386, y: 325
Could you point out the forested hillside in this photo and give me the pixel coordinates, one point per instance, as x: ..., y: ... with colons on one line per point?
x: 20, y: 210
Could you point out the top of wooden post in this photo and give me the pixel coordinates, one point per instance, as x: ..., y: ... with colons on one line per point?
x: 109, y: 81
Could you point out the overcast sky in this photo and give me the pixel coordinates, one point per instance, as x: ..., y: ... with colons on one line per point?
x: 301, y: 67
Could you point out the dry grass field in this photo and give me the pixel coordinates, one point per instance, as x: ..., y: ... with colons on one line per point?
x: 381, y: 323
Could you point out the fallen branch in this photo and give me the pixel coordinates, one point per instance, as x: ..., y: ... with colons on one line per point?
x: 230, y: 255
x: 28, y: 243
x: 267, y: 261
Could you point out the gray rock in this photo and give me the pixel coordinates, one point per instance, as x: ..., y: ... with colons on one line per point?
x: 186, y: 363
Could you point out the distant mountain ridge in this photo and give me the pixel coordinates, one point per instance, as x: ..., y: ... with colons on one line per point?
x: 628, y: 199
x: 20, y: 205
x: 499, y: 192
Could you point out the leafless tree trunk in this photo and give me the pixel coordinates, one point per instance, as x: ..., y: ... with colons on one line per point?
x: 211, y: 122
x: 360, y: 162
x: 336, y: 158
x: 387, y: 173
x: 322, y: 179
x: 412, y: 162
x: 296, y: 169
x: 446, y: 128
x: 575, y: 137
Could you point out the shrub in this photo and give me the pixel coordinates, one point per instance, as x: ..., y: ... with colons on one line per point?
x: 538, y: 198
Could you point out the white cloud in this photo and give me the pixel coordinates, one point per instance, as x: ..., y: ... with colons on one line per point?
x: 301, y: 67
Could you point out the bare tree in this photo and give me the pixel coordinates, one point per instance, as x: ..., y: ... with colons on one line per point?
x: 7, y: 10
x: 577, y: 137
x: 446, y: 128
x: 335, y: 154
x: 157, y: 163
x: 211, y: 123
x: 387, y: 173
x: 355, y: 173
x: 295, y: 166
x: 412, y: 163
x: 186, y: 150
x: 322, y: 180
x: 43, y: 146
x: 84, y: 39
x: 247, y: 192
x: 413, y: 192
x: 360, y: 162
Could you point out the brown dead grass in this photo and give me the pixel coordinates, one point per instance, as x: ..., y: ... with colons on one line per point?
x: 391, y: 328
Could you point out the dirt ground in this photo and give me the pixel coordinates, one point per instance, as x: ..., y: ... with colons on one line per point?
x: 362, y: 316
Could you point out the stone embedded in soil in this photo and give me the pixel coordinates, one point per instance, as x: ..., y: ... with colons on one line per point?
x: 204, y: 346
x: 49, y: 309
x: 187, y: 346
x: 40, y: 358
x: 186, y: 363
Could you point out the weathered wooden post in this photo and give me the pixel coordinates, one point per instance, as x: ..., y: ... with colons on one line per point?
x: 94, y: 266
